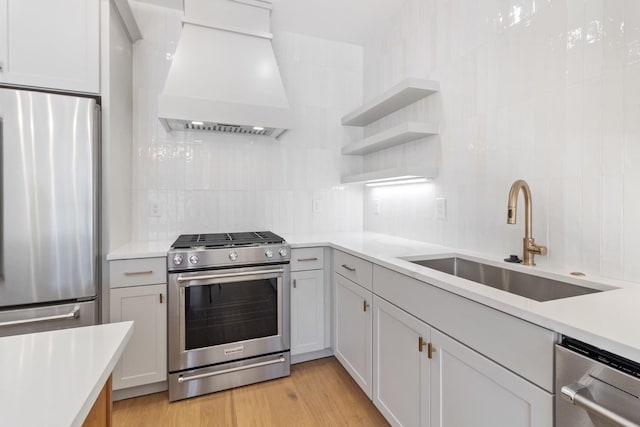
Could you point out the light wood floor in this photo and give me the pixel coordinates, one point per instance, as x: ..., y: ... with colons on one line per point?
x: 318, y: 393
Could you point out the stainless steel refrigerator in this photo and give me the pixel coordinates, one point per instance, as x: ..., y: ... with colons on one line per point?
x: 49, y: 147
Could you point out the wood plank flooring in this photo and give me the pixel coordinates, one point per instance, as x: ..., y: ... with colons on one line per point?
x: 318, y: 393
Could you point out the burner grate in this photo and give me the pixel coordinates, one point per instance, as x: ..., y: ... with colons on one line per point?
x: 216, y: 240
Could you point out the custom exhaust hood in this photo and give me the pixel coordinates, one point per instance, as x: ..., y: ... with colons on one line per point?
x: 224, y: 76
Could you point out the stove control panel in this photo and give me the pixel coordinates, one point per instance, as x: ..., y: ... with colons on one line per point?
x: 198, y: 258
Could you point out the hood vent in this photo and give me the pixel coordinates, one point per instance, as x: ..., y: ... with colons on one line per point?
x: 224, y: 76
x: 218, y: 127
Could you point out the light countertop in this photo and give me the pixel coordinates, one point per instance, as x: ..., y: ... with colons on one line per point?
x: 53, y: 378
x: 606, y: 319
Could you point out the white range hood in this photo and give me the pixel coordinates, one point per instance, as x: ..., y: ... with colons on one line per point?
x: 224, y: 76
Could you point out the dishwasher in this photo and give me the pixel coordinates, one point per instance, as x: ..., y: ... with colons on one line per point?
x: 595, y: 387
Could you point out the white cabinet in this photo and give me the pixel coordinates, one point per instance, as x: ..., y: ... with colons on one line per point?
x: 308, y: 308
x: 400, y: 365
x: 307, y: 311
x: 145, y: 359
x: 136, y: 295
x: 469, y: 390
x: 352, y: 333
x: 50, y: 44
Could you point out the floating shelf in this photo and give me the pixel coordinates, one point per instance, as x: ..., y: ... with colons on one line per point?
x: 404, y: 93
x: 405, y: 172
x: 395, y: 136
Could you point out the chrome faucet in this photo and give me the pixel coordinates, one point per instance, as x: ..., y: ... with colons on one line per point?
x: 529, y: 248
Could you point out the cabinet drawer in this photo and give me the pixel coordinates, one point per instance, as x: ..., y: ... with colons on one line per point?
x: 353, y: 268
x: 307, y: 259
x: 136, y: 272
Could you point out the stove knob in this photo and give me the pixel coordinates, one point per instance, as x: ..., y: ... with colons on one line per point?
x: 268, y: 253
x: 283, y: 252
x: 177, y: 260
x: 233, y: 256
x: 193, y: 259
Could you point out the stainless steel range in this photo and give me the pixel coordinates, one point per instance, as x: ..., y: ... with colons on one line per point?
x: 228, y: 311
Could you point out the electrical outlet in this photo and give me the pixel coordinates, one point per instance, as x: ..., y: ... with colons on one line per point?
x: 154, y: 209
x: 376, y: 207
x: 441, y: 208
x: 317, y: 205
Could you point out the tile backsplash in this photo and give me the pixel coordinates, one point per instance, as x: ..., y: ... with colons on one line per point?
x: 547, y: 91
x: 204, y: 182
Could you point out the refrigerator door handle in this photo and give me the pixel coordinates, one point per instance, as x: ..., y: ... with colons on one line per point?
x: 73, y: 315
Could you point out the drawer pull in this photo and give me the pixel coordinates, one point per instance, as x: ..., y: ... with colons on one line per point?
x: 137, y: 273
x: 365, y: 305
x: 345, y: 266
x: 307, y: 259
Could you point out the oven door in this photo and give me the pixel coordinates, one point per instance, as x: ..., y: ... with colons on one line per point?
x: 223, y: 315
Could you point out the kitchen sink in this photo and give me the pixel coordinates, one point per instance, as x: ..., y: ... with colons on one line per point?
x: 515, y: 282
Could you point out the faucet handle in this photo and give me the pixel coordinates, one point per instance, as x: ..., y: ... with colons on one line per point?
x: 536, y: 249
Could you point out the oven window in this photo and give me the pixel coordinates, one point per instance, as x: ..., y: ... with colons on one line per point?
x: 229, y: 312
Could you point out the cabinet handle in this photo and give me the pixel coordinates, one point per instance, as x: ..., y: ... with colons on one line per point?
x: 307, y: 259
x: 295, y: 283
x: 365, y: 305
x: 421, y: 344
x: 137, y: 273
x: 161, y: 298
x: 345, y: 266
x: 430, y: 350
x: 1, y: 67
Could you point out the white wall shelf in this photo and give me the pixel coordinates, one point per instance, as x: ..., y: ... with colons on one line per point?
x: 404, y: 93
x: 404, y: 172
x: 395, y: 136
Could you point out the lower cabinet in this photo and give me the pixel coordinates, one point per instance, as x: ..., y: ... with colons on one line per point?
x: 352, y: 330
x: 144, y: 361
x: 307, y: 311
x: 467, y: 389
x: 400, y: 365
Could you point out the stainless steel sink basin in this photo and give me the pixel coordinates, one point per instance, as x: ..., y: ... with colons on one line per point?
x: 526, y: 285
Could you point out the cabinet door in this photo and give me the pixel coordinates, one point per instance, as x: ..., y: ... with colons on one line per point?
x: 352, y: 333
x: 307, y: 311
x: 468, y: 389
x: 400, y: 365
x: 144, y: 361
x: 51, y: 44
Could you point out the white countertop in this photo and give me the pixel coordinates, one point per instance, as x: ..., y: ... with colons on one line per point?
x: 607, y: 319
x: 53, y: 378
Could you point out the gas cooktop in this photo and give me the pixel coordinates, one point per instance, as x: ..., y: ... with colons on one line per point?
x: 223, y: 250
x: 226, y: 240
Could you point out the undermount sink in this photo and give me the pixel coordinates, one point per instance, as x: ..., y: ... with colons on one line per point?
x: 523, y: 284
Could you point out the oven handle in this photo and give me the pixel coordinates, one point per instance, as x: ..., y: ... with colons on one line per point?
x: 182, y: 378
x: 572, y: 394
x: 182, y: 279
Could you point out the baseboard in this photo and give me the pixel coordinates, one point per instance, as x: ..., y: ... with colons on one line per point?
x: 128, y: 393
x: 305, y: 357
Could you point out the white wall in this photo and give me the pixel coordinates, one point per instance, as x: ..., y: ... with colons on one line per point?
x: 547, y: 91
x: 216, y: 182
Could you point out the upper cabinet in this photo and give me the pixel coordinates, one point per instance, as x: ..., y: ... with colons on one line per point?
x: 50, y: 44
